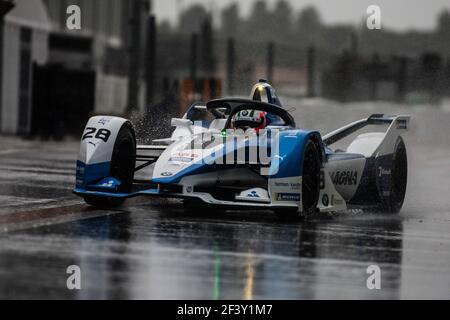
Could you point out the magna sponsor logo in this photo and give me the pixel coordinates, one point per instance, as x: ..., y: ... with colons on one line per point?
x: 347, y: 178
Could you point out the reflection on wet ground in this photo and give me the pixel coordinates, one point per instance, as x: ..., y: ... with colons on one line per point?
x: 159, y: 251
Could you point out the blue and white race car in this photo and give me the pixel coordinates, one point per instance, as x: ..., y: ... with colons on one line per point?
x: 247, y: 153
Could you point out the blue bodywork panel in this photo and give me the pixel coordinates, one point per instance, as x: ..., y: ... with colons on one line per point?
x: 87, y: 174
x: 84, y: 192
x: 109, y: 184
x: 291, y: 150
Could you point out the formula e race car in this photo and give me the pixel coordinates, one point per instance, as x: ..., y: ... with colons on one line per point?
x: 247, y: 153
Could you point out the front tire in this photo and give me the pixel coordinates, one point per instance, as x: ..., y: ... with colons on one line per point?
x: 123, y: 162
x: 310, y: 183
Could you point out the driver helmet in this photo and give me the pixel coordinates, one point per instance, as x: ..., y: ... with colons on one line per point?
x: 246, y: 119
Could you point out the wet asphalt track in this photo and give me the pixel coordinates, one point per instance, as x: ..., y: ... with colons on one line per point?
x: 154, y: 249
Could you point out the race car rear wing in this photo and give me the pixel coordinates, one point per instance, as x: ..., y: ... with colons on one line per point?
x: 375, y: 119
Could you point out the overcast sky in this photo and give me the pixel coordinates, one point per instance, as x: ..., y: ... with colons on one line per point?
x: 395, y: 14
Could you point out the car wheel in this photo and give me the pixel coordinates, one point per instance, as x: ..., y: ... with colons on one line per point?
x: 123, y: 159
x: 311, y: 178
x: 310, y: 183
x: 123, y: 162
x: 399, y: 177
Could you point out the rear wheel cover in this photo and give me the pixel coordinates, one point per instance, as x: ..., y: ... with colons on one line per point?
x: 399, y: 178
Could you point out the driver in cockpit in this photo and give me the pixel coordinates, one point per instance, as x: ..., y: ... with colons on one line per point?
x: 249, y: 119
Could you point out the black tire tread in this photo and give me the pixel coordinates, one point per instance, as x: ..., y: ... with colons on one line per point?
x: 288, y: 213
x: 122, y: 167
x: 399, y: 179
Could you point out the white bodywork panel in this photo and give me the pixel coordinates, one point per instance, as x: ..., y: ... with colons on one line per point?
x: 285, y: 191
x: 254, y: 195
x: 366, y: 144
x: 374, y: 143
x: 97, y: 144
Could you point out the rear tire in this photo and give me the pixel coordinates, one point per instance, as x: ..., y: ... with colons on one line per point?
x: 399, y: 177
x: 123, y: 162
x: 310, y: 183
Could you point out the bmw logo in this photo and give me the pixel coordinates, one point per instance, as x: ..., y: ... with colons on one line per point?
x: 166, y: 174
x: 244, y: 113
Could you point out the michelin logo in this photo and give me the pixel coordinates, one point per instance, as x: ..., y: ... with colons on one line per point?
x: 288, y: 196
